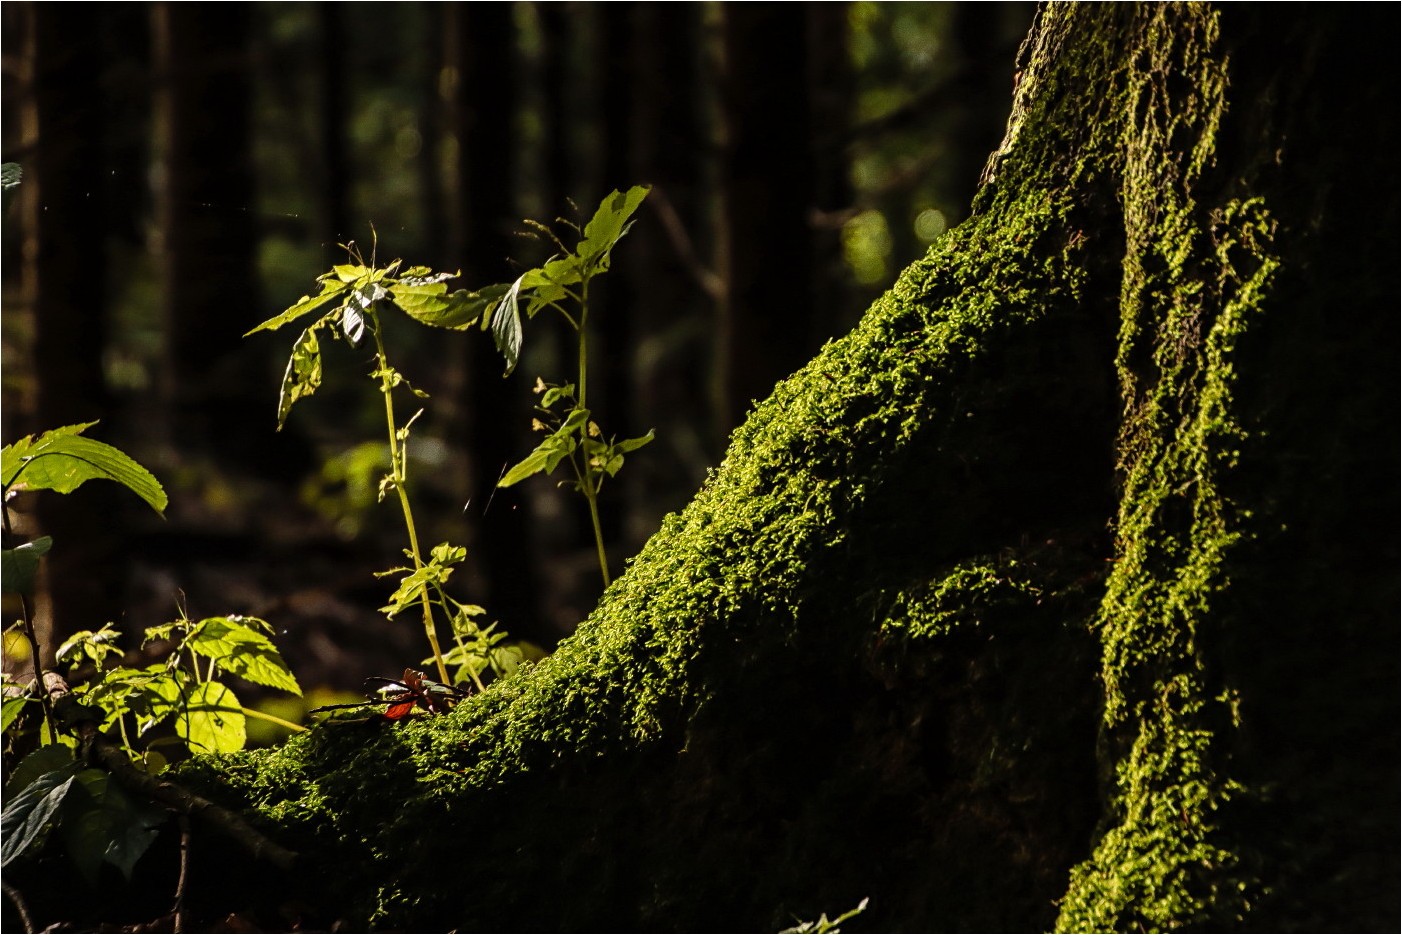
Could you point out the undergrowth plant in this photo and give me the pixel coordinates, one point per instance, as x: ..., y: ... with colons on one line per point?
x: 561, y: 284
x: 133, y: 713
x: 349, y: 306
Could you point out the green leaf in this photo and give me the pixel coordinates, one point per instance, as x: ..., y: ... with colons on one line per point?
x: 45, y: 760
x: 633, y: 444
x: 27, y: 815
x: 532, y: 463
x: 608, y: 225
x: 18, y: 565
x: 11, y: 709
x: 101, y: 823
x: 303, y: 375
x: 243, y: 651
x: 506, y: 326
x: 458, y: 310
x: 62, y: 460
x: 211, y: 720
x: 330, y: 289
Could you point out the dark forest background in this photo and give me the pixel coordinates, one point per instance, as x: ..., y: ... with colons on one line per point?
x: 189, y: 169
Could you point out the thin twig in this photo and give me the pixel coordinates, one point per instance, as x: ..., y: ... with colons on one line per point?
x: 20, y: 907
x: 705, y: 277
x: 32, y: 638
x: 181, y: 923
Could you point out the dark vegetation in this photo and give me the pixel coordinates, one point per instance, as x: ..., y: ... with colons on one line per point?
x: 1043, y: 595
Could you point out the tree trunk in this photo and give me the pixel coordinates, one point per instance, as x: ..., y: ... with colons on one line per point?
x: 65, y: 225
x: 891, y: 650
x: 207, y: 232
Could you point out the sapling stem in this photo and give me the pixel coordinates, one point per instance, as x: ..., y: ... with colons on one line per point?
x: 32, y: 638
x: 586, y: 481
x: 400, y: 475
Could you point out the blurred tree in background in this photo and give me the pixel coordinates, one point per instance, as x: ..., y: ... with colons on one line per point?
x: 190, y: 168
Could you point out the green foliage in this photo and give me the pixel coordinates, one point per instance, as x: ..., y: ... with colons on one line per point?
x: 355, y: 293
x: 562, y: 284
x: 181, y: 694
x: 824, y: 925
x: 177, y: 703
x: 62, y: 460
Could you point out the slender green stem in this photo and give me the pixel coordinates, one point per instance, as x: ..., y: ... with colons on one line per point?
x: 400, y: 473
x: 272, y: 719
x: 31, y: 636
x: 586, y: 480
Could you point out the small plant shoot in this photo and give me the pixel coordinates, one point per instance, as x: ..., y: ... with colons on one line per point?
x: 348, y: 308
x: 572, y: 435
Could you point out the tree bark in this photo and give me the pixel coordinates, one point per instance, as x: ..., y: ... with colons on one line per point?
x: 1048, y: 597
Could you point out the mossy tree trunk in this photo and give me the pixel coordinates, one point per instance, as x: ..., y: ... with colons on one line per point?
x: 1060, y: 593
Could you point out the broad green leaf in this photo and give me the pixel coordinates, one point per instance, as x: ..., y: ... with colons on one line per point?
x: 62, y: 460
x: 211, y: 720
x: 458, y: 310
x: 11, y: 709
x: 18, y: 565
x: 330, y: 289
x: 102, y: 824
x: 350, y: 273
x: 303, y: 374
x: 41, y: 762
x: 244, y: 651
x: 27, y: 815
x: 506, y: 326
x: 532, y: 463
x: 607, y: 227
x: 90, y: 646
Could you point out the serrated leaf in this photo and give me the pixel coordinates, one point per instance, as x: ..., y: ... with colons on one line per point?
x: 63, y: 460
x: 608, y: 225
x: 303, y: 375
x: 27, y: 815
x: 11, y: 709
x: 102, y: 824
x: 18, y: 565
x: 506, y: 326
x: 211, y: 720
x: 457, y: 310
x: 243, y: 651
x: 330, y: 289
x: 45, y: 760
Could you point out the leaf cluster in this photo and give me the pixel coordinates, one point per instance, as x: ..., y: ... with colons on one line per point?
x: 178, y: 703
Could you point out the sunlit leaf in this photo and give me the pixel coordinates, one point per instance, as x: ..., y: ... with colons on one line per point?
x: 506, y: 326
x: 18, y: 565
x: 27, y: 814
x: 330, y: 289
x: 608, y: 225
x: 11, y: 709
x: 532, y: 463
x: 458, y: 310
x: 303, y: 374
x: 211, y: 720
x: 633, y: 444
x: 62, y: 460
x: 242, y: 650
